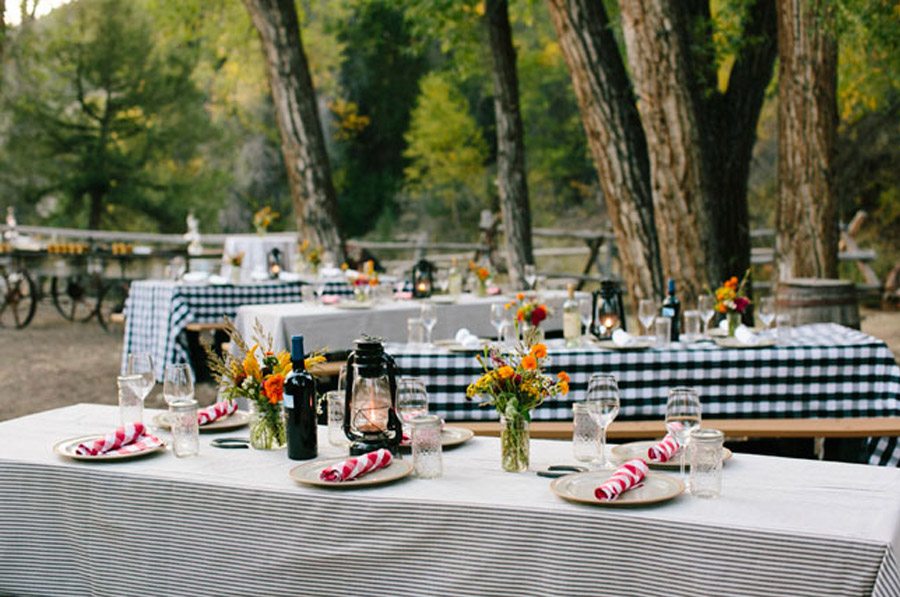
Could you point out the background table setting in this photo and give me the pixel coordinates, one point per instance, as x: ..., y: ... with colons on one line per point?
x: 187, y: 526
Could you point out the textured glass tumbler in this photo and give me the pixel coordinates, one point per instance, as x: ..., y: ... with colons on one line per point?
x: 783, y: 327
x: 426, y: 447
x: 693, y: 326
x: 706, y: 462
x: 415, y: 331
x: 336, y: 435
x: 663, y: 328
x: 185, y: 428
x: 585, y: 433
x: 131, y: 399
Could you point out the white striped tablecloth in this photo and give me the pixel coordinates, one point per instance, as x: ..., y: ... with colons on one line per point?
x: 232, y: 522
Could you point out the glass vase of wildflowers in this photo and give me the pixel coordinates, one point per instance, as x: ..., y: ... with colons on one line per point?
x: 732, y: 301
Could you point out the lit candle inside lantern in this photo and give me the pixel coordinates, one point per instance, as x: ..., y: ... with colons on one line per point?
x: 422, y: 286
x: 609, y: 321
x: 373, y: 416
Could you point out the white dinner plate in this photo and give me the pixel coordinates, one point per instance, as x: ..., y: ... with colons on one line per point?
x: 632, y: 450
x: 443, y: 299
x: 727, y: 342
x: 353, y: 305
x: 451, y: 436
x: 454, y: 346
x: 235, y: 420
x: 579, y: 487
x: 67, y: 447
x: 308, y: 474
x: 636, y: 345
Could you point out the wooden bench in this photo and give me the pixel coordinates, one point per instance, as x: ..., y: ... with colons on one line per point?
x: 732, y: 428
x: 215, y: 326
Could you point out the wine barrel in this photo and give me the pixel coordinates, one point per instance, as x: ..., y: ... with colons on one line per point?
x: 817, y: 300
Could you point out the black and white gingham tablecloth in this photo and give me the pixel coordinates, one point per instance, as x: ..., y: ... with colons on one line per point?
x: 825, y: 370
x: 157, y: 312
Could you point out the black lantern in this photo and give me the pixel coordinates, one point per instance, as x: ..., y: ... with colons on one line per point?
x: 274, y: 262
x: 370, y: 399
x: 422, y: 278
x: 608, y: 310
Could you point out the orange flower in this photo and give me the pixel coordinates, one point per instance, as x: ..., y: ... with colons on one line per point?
x: 505, y: 372
x: 273, y: 388
x: 563, y: 376
x: 483, y: 273
x: 529, y: 362
x: 520, y: 296
x: 564, y: 387
x: 539, y: 350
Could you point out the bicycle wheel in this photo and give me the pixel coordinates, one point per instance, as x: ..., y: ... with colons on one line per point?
x: 76, y: 296
x: 19, y: 298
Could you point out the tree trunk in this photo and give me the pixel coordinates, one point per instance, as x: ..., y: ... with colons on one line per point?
x: 656, y: 35
x: 511, y: 182
x: 95, y: 208
x: 806, y: 240
x: 302, y: 141
x: 615, y: 136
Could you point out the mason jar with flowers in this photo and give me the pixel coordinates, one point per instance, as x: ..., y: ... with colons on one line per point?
x: 529, y: 315
x: 264, y: 218
x: 482, y: 276
x: 732, y: 301
x: 515, y: 385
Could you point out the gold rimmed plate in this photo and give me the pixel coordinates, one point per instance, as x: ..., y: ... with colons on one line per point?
x: 656, y: 488
x: 235, y: 420
x: 67, y: 447
x: 308, y: 474
x: 451, y: 436
x: 632, y: 450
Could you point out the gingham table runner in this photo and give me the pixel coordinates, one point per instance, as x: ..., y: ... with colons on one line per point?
x: 156, y: 312
x: 782, y: 527
x: 825, y: 370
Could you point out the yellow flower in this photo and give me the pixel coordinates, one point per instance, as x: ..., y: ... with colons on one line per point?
x: 564, y: 387
x: 539, y: 350
x: 529, y: 362
x: 309, y: 362
x: 251, y: 365
x: 505, y: 372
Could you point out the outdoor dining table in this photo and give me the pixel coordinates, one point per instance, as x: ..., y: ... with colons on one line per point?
x: 233, y: 522
x: 255, y: 249
x: 823, y: 370
x: 158, y: 311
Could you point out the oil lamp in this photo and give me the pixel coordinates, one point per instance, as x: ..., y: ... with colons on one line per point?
x: 423, y: 278
x: 370, y: 402
x: 608, y: 310
x: 274, y: 262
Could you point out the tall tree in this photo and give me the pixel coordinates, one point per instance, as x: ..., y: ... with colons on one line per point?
x: 511, y: 179
x: 807, y: 232
x: 613, y: 129
x: 302, y: 141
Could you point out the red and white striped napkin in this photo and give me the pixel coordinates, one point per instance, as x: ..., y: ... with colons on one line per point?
x: 216, y: 411
x: 129, y: 439
x: 626, y: 476
x: 663, y: 450
x: 357, y: 466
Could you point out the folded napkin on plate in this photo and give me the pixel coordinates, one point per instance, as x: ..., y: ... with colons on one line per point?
x: 626, y: 476
x: 494, y: 290
x: 330, y: 299
x: 403, y: 296
x: 467, y: 339
x: 743, y: 335
x: 358, y: 466
x: 128, y: 439
x: 216, y: 411
x: 664, y: 450
x: 622, y: 338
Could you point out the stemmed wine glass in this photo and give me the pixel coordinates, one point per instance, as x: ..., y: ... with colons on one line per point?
x: 412, y: 399
x: 683, y: 413
x: 178, y: 384
x: 141, y: 364
x: 585, y: 307
x: 603, y: 400
x: 498, y: 318
x: 766, y: 311
x: 530, y: 276
x: 706, y: 304
x: 429, y: 320
x: 647, y: 314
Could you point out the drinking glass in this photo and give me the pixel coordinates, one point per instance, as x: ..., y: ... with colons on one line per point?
x: 706, y: 304
x: 766, y: 311
x: 307, y: 293
x: 585, y: 433
x: 320, y: 290
x: 683, y: 413
x: 131, y: 401
x: 139, y: 363
x: 706, y: 463
x: 693, y: 326
x: 335, y: 404
x: 585, y: 307
x: 184, y: 427
x: 425, y: 437
x: 178, y: 384
x: 603, y: 398
x: 412, y: 399
x: 429, y: 319
x: 647, y: 314
x: 663, y: 327
x: 530, y: 276
x: 415, y: 331
x: 783, y: 323
x: 508, y: 334
x: 498, y: 317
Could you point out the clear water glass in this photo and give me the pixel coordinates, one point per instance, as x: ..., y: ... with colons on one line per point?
x: 429, y: 319
x: 530, y: 272
x: 706, y: 305
x: 178, y: 384
x: 784, y: 327
x: 185, y: 428
x: 663, y: 328
x: 412, y: 399
x: 603, y: 400
x: 706, y: 462
x: 308, y: 293
x: 508, y: 334
x: 585, y: 308
x: 139, y: 363
x: 693, y: 326
x: 647, y: 310
x: 683, y: 415
x: 585, y: 433
x: 498, y: 317
x: 766, y: 311
x: 335, y: 404
x: 415, y: 331
x: 426, y: 447
x: 131, y: 398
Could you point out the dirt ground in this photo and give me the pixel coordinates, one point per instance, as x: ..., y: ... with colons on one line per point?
x: 54, y: 363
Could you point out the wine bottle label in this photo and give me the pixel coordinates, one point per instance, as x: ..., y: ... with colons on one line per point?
x: 668, y: 312
x: 571, y: 325
x: 288, y: 400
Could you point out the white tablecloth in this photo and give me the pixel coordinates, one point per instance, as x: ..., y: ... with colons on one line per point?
x: 337, y: 328
x: 256, y: 251
x: 232, y: 522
